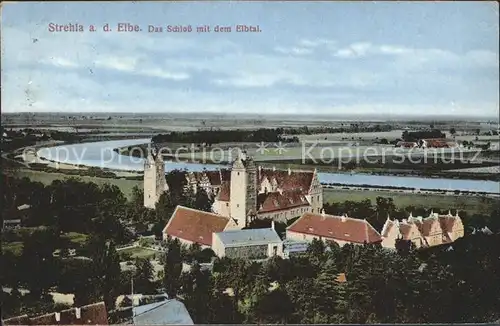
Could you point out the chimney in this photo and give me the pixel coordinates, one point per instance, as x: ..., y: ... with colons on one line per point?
x: 411, y: 215
x: 272, y: 225
x: 289, y: 171
x: 449, y: 213
x: 344, y: 217
x: 456, y: 214
x: 78, y: 313
x: 274, y: 168
x: 323, y: 212
x: 58, y: 316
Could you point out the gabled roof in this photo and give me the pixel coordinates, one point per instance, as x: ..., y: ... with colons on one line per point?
x: 194, y: 225
x: 426, y: 224
x: 170, y: 312
x: 275, y: 201
x: 224, y: 192
x: 93, y: 314
x: 288, y: 180
x: 214, y: 177
x: 405, y: 229
x: 248, y: 237
x: 447, y: 222
x: 388, y: 226
x: 336, y: 227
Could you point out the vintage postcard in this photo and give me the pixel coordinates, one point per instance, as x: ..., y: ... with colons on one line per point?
x: 250, y: 162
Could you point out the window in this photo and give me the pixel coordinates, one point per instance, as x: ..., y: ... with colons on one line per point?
x: 238, y: 173
x: 275, y: 250
x: 237, y: 205
x: 227, y: 204
x: 318, y: 198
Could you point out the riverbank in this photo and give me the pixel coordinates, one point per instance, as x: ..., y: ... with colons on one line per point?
x: 422, y: 164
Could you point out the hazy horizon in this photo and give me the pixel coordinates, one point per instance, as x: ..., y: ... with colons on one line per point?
x: 270, y: 116
x: 391, y: 59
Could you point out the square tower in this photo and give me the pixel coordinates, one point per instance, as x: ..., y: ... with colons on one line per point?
x: 155, y: 183
x: 243, y: 194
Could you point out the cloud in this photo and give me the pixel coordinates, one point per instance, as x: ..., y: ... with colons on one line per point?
x: 317, y: 42
x: 186, y: 73
x: 294, y: 51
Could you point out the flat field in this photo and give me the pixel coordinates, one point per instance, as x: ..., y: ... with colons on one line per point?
x: 472, y: 205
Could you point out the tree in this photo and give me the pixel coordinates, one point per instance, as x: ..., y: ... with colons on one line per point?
x: 326, y: 286
x: 143, y: 276
x: 105, y: 269
x: 202, y: 202
x: 453, y: 131
x: 172, y: 268
x: 38, y: 266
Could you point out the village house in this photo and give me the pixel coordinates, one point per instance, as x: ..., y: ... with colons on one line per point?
x: 194, y: 226
x: 248, y: 244
x: 406, y: 144
x: 426, y: 232
x: 340, y: 229
x: 437, y: 143
x: 93, y: 314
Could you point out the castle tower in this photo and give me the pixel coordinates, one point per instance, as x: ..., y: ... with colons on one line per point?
x: 243, y: 194
x: 155, y: 183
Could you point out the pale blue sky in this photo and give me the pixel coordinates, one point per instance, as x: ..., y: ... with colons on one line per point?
x: 323, y: 57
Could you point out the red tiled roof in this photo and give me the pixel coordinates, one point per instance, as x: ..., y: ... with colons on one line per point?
x: 214, y: 177
x: 406, y: 144
x: 336, y: 227
x: 426, y: 225
x: 437, y: 143
x: 275, y: 201
x: 225, y: 174
x: 225, y: 191
x: 194, y: 225
x: 446, y: 222
x: 296, y: 180
x: 405, y: 229
x: 94, y: 314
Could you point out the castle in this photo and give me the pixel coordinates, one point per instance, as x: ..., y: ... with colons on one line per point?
x: 246, y: 191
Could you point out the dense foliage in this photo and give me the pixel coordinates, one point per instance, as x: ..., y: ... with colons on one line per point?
x: 435, y: 286
x: 81, y: 216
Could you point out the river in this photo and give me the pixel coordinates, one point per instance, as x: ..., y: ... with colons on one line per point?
x: 101, y: 154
